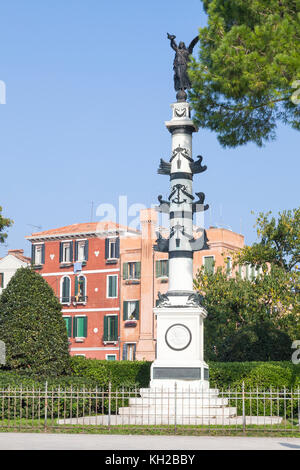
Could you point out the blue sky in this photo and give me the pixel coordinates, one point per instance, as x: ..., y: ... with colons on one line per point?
x: 89, y: 86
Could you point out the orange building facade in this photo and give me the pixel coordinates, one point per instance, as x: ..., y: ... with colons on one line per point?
x: 107, y: 278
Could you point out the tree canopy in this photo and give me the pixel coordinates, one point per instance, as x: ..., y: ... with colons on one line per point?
x: 279, y: 241
x: 4, y: 223
x: 250, y: 320
x: 248, y: 68
x: 32, y: 326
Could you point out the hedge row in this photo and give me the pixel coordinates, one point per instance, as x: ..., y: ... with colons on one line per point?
x: 90, y: 373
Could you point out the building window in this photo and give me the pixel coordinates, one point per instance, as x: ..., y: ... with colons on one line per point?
x: 68, y: 321
x: 80, y: 289
x: 110, y: 328
x: 66, y: 252
x: 132, y: 270
x: 112, y: 248
x: 81, y: 250
x: 162, y: 268
x: 111, y: 357
x: 80, y: 327
x: 1, y: 280
x: 112, y: 286
x: 131, y: 310
x: 38, y: 255
x: 65, y: 290
x: 209, y: 264
x: 228, y: 266
x: 129, y: 350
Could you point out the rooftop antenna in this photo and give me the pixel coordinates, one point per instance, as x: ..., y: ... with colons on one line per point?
x: 92, y: 210
x: 39, y: 227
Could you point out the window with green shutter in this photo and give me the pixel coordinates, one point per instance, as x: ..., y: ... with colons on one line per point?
x: 162, y: 268
x: 131, y: 310
x: 80, y: 327
x: 209, y: 264
x: 132, y: 270
x: 110, y: 328
x: 112, y: 286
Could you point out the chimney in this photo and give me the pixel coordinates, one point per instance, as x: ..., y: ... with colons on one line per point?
x: 16, y: 252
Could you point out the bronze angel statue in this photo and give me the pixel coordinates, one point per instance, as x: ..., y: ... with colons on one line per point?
x: 181, y: 78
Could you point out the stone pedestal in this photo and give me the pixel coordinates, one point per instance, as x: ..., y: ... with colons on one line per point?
x: 179, y: 346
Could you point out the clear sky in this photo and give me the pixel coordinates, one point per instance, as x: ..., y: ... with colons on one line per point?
x: 89, y: 86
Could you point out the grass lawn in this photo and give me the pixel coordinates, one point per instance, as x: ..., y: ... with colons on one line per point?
x: 288, y: 428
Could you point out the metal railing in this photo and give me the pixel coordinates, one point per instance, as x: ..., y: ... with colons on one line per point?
x: 163, y: 410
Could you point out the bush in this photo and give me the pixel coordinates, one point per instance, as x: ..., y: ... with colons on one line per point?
x: 32, y: 327
x: 118, y: 373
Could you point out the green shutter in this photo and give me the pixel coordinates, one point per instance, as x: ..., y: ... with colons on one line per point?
x: 209, y: 264
x: 43, y: 254
x: 85, y: 327
x: 125, y: 310
x: 125, y: 271
x: 76, y: 285
x: 74, y: 327
x: 105, y: 328
x: 33, y: 254
x: 115, y: 328
x: 1, y: 280
x: 86, y: 250
x: 158, y: 269
x: 137, y: 310
x: 81, y: 327
x: 60, y: 252
x: 240, y: 270
x: 68, y: 322
x: 138, y: 270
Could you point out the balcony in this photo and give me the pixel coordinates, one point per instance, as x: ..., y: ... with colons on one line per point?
x: 79, y: 299
x: 110, y: 338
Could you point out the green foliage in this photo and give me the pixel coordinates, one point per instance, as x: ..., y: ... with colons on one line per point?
x: 4, y: 223
x: 279, y: 241
x: 118, y: 373
x: 263, y: 375
x: 32, y: 327
x: 248, y: 62
x: 249, y: 320
x: 255, y: 375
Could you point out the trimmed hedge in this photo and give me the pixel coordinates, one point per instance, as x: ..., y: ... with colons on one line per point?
x: 90, y: 373
x: 254, y: 374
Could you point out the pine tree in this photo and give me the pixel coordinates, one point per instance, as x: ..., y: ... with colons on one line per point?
x: 247, y: 77
x: 32, y: 327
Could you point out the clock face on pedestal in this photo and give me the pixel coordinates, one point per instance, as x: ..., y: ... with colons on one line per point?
x: 178, y: 337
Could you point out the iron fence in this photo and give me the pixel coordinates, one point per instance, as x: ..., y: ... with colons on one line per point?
x: 150, y: 410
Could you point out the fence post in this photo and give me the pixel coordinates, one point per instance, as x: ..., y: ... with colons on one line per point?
x: 46, y: 404
x: 299, y: 407
x: 175, y: 406
x: 243, y: 405
x: 109, y: 404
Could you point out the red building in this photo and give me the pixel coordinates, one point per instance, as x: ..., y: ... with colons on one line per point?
x: 81, y: 264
